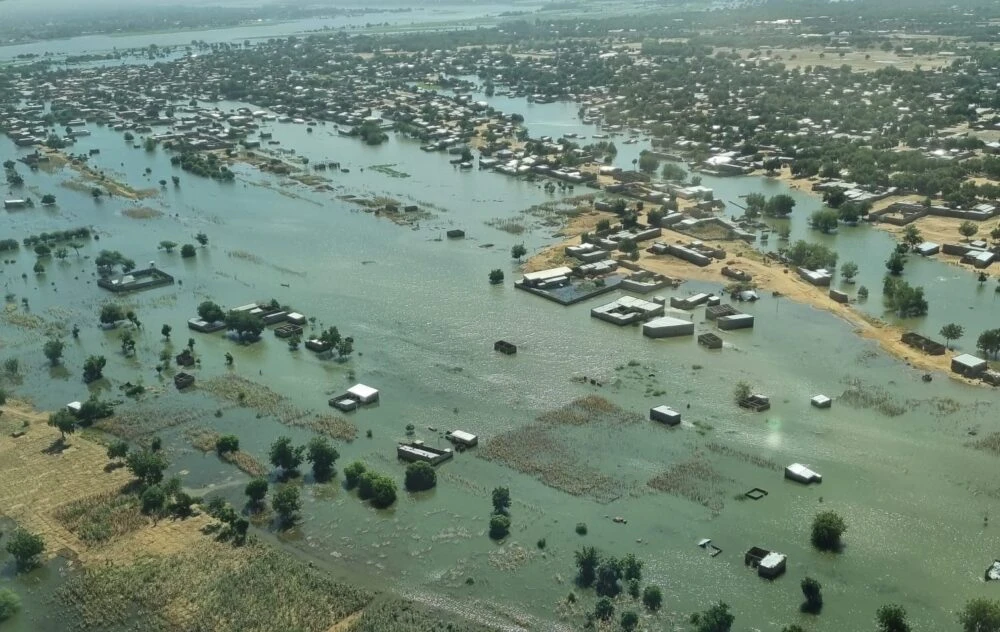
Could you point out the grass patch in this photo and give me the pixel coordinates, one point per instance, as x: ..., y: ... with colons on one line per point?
x: 102, y: 518
x: 746, y: 457
x: 990, y: 443
x: 861, y: 395
x: 333, y: 426
x: 210, y: 586
x: 389, y: 170
x: 403, y: 616
x: 507, y: 225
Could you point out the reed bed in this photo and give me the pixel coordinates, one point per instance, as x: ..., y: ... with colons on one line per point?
x: 542, y: 449
x: 746, y: 457
x: 990, y: 443
x: 694, y: 480
x: 861, y: 395
x: 204, y: 440
x: 333, y: 426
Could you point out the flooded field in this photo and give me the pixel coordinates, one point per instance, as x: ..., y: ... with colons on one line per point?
x: 563, y: 423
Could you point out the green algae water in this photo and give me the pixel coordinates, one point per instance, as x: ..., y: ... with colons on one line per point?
x: 896, y: 465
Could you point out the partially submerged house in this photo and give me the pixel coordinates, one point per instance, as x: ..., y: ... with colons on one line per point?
x: 665, y: 415
x: 357, y: 395
x: 627, y: 310
x: 769, y: 564
x: 802, y: 474
x: 667, y: 327
x: 968, y: 365
x: 462, y: 438
x: 418, y: 451
x: 821, y: 401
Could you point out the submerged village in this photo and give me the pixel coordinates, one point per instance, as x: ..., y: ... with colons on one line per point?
x: 562, y: 323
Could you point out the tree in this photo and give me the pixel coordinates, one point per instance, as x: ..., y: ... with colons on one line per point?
x: 609, y: 575
x: 168, y: 246
x: 256, y: 490
x: 779, y: 205
x: 287, y: 503
x: 501, y: 500
x: 741, y: 392
x: 210, y: 312
x: 755, y: 203
x: 53, y: 350
x: 629, y: 621
x: 111, y: 313
x: 246, y: 325
x: 345, y: 347
x: 587, y: 561
x: 352, y: 474
x: 814, y: 598
x: 912, y: 236
x: 673, y: 171
x: 147, y: 466
x: 905, y: 300
x: 989, y: 342
x: 848, y: 271
x: 420, y: 476
x: 895, y: 263
x: 286, y: 456
x: 10, y: 603
x: 604, y: 609
x: 61, y: 253
x: 517, y: 251
x: 153, y: 499
x: 25, y: 547
x: 496, y: 276
x: 827, y: 529
x: 64, y: 422
x: 951, y: 331
x: 967, y: 229
x: 165, y: 331
x: 226, y: 444
x: 128, y: 344
x: 825, y: 220
x: 980, y: 615
x: 42, y: 250
x: 652, y: 598
x: 631, y: 567
x: 322, y: 455
x: 715, y: 619
x: 383, y: 492
x: 648, y: 163
x: 499, y: 526
x: 48, y: 199
x: 117, y: 450
x: 39, y: 267
x: 201, y: 238
x: 892, y: 618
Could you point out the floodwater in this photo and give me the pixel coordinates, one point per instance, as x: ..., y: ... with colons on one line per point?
x: 424, y: 318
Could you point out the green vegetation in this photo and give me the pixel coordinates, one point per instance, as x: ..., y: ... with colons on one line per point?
x: 205, y: 165
x: 63, y: 421
x: 26, y: 548
x: 895, y: 263
x: 210, y: 312
x: 10, y: 604
x: 147, y: 466
x: 53, y: 350
x: 167, y: 246
x: 980, y: 615
x: 256, y: 490
x: 780, y: 205
x: 814, y: 598
x: 518, y: 251
x: 107, y: 260
x: 496, y: 276
x: 499, y: 526
x: 352, y: 474
x: 903, y: 299
x: 951, y: 331
x: 891, y: 618
x: 825, y: 220
x: 420, y: 476
x: 286, y: 503
x: 322, y: 455
x: 989, y: 342
x: 848, y: 271
x: 715, y: 619
x: 188, y: 251
x: 246, y: 325
x: 652, y: 598
x: 93, y: 368
x: 286, y: 457
x: 501, y: 500
x: 811, y: 256
x: 827, y: 529
x: 378, y: 488
x: 227, y: 443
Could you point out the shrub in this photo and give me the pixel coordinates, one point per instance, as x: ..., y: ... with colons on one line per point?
x: 188, y: 251
x: 652, y: 598
x: 814, y: 598
x: 629, y: 621
x: 286, y: 503
x: 420, y: 476
x: 827, y: 528
x: 581, y: 528
x: 227, y: 443
x: 499, y: 526
x: 10, y: 603
x: 352, y: 474
x: 25, y: 547
x: 604, y: 609
x: 153, y: 499
x: 256, y: 490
